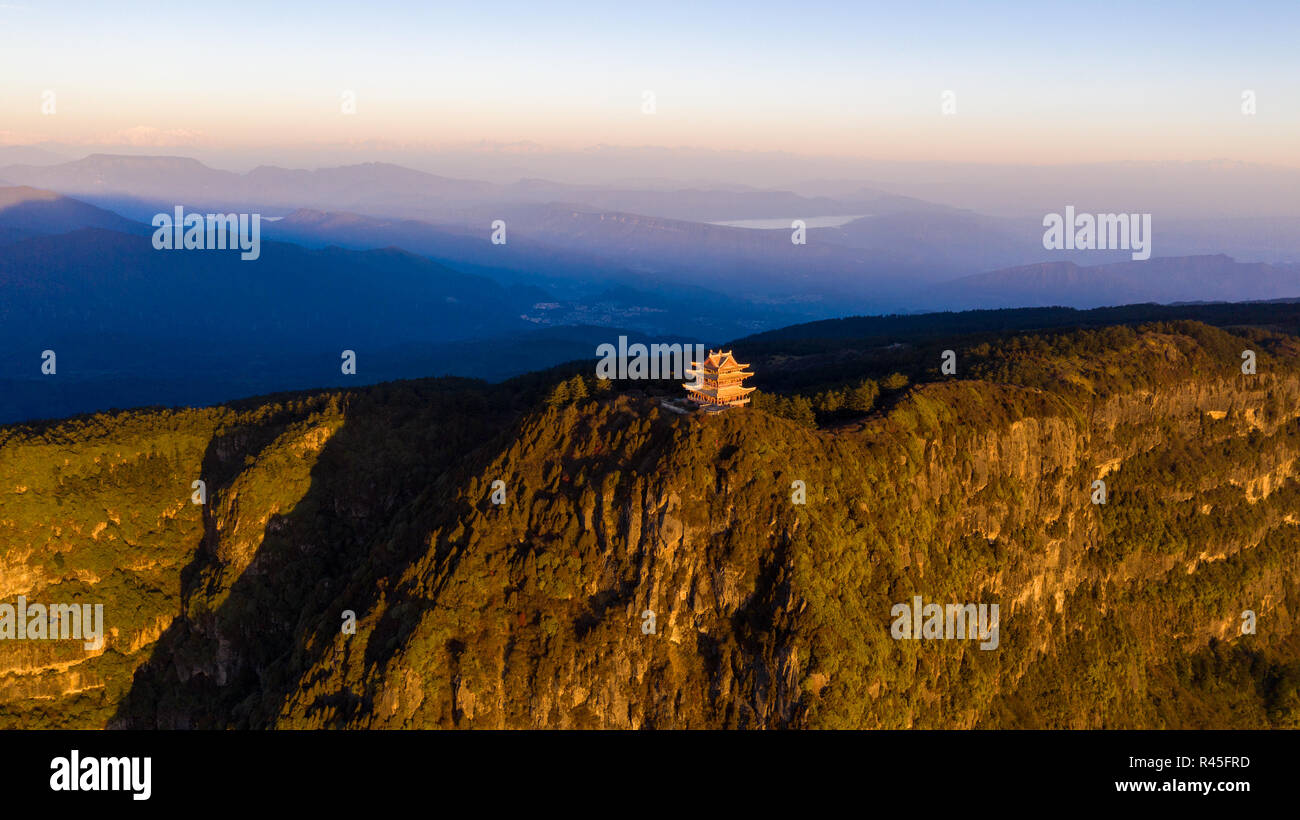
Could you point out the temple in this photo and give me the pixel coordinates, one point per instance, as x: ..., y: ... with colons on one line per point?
x: 718, y: 380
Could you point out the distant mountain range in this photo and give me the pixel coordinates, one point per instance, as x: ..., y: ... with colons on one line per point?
x: 113, y: 308
x: 27, y: 212
x: 655, y: 228
x: 383, y: 189
x: 1164, y: 280
x: 133, y: 325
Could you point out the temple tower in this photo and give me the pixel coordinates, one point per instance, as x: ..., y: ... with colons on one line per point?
x: 718, y: 381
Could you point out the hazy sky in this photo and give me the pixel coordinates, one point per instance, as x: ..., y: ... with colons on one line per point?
x: 1034, y: 82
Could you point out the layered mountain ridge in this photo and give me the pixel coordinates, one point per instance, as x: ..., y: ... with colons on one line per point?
x: 766, y: 612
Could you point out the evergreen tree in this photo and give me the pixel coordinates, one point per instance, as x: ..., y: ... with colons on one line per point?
x: 894, y: 381
x: 559, y: 395
x: 801, y: 411
x: 829, y: 401
x: 577, y: 389
x: 863, y: 397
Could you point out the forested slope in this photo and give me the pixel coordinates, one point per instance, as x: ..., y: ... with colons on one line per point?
x: 973, y: 488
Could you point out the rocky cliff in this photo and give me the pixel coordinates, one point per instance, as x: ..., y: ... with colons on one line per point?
x: 648, y: 569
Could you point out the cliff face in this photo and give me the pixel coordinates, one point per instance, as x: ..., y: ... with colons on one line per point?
x: 766, y: 612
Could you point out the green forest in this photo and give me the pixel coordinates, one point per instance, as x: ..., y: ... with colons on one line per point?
x: 499, y: 545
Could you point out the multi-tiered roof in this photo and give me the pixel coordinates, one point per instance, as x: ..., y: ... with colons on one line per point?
x: 718, y: 381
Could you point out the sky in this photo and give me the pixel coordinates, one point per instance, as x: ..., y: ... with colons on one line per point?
x: 1029, y: 82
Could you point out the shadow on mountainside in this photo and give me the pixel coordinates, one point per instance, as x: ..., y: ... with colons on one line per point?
x: 382, y: 482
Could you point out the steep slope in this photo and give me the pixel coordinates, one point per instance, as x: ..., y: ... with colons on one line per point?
x: 772, y: 614
x: 768, y: 613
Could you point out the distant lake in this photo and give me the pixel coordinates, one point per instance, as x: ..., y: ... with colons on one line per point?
x: 810, y: 221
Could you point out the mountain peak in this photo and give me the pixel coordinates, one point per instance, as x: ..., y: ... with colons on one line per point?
x: 25, y: 193
x: 141, y: 160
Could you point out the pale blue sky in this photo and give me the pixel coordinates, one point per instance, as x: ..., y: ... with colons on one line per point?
x: 1038, y: 81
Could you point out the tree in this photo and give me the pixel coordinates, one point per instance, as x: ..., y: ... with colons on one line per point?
x: 577, y: 389
x: 800, y: 410
x: 863, y: 397
x: 894, y: 381
x: 559, y: 395
x: 829, y: 401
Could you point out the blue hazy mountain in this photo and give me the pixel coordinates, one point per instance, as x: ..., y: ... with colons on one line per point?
x: 116, y: 310
x: 28, y: 212
x: 652, y: 234
x: 133, y: 326
x: 1163, y: 280
x: 385, y: 189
